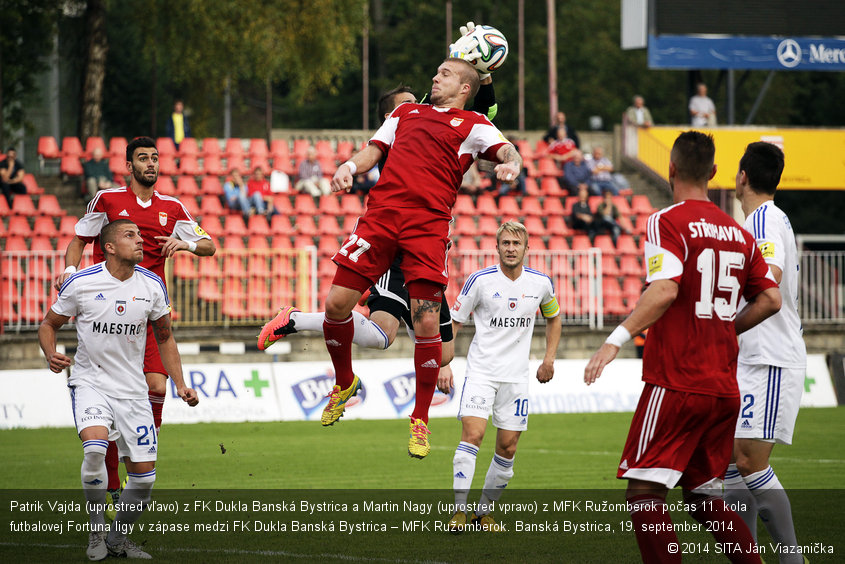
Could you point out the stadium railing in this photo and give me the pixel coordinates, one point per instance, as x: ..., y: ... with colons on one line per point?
x: 822, y: 295
x: 244, y: 287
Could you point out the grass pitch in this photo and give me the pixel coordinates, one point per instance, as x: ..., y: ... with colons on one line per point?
x: 357, y: 477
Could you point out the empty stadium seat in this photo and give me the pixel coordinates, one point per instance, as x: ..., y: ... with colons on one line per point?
x: 351, y: 205
x: 531, y: 187
x: 165, y: 186
x: 557, y: 243
x: 188, y: 148
x: 210, y: 206
x: 48, y: 148
x: 32, y: 187
x: 186, y: 186
x: 640, y: 205
x: 262, y: 163
x: 67, y: 225
x: 18, y: 227
x: 580, y: 243
x: 189, y: 164
x: 236, y: 162
x: 212, y: 165
x: 534, y: 225
x: 282, y: 205
x: 209, y: 290
x: 258, y: 148
x: 464, y: 205
x: 209, y: 268
x: 327, y: 247
x: 167, y: 165
x: 549, y: 186
x: 329, y: 226
x: 117, y: 165
x: 486, y: 205
x: 257, y: 242
x: 257, y: 267
x: 191, y: 205
x: 605, y: 243
x: 329, y: 205
x: 547, y: 167
x: 304, y: 205
x: 165, y: 147
x: 4, y: 208
x: 71, y: 166
x: 525, y: 150
x: 71, y: 147
x: 280, y: 225
x: 465, y: 226
x: 509, y: 208
x: 45, y: 226
x: 232, y: 243
x: 487, y: 225
x: 614, y: 306
x: 640, y: 225
x: 22, y: 205
x: 302, y: 242
x: 281, y: 242
x: 257, y: 225
x: 280, y: 155
x: 466, y: 244
x: 556, y: 225
x: 630, y: 266
x: 305, y: 225
x: 345, y: 149
x: 233, y: 148
x: 211, y: 147
x: 235, y: 226
x: 210, y: 186
x: 531, y: 207
x: 117, y: 147
x: 300, y: 147
x: 609, y: 266
x: 625, y: 245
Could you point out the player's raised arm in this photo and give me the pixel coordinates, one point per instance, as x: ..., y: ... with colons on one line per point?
x: 363, y: 160
x: 201, y: 248
x: 651, y: 306
x: 73, y: 255
x: 511, y: 163
x: 171, y: 359
x: 47, y: 339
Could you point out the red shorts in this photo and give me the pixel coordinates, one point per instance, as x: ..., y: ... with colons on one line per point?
x: 380, y: 234
x: 679, y: 438
x: 152, y: 358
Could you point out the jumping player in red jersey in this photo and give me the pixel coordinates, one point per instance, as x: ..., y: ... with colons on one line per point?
x: 699, y: 263
x: 428, y: 149
x: 166, y: 227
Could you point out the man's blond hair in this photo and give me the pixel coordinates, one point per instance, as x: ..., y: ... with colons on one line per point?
x: 514, y: 228
x: 468, y: 75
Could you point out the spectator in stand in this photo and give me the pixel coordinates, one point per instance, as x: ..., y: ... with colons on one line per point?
x: 582, y: 216
x: 97, y: 173
x: 701, y: 108
x: 12, y: 172
x: 607, y: 217
x: 637, y: 114
x: 577, y: 173
x: 560, y: 121
x: 311, y: 175
x: 238, y: 197
x: 177, y: 126
x: 603, y: 179
x: 362, y: 183
x: 562, y: 149
x: 259, y: 193
x: 471, y: 183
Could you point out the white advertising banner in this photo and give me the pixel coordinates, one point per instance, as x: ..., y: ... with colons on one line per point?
x: 291, y: 391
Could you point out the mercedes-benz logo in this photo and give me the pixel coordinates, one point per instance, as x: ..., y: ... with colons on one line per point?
x: 789, y: 53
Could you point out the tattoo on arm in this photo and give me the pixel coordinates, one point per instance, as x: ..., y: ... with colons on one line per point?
x: 424, y: 307
x: 162, y: 328
x: 512, y: 155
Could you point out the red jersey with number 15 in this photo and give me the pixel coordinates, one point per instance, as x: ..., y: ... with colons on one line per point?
x: 428, y: 151
x: 160, y: 216
x: 693, y: 346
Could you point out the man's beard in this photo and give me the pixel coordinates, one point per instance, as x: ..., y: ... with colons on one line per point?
x: 141, y: 179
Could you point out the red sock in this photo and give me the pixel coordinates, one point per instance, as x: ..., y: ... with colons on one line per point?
x: 157, y: 403
x: 338, y: 336
x: 734, y: 532
x: 427, y: 354
x: 112, y: 463
x: 652, y: 511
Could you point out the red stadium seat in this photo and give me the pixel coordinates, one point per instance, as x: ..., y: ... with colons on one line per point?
x: 553, y: 206
x: 305, y: 225
x: 167, y: 165
x: 165, y: 186
x: 324, y: 150
x: 549, y: 186
x: 235, y: 226
x: 609, y: 266
x: 232, y: 243
x: 48, y: 148
x: 282, y: 205
x: 184, y: 267
x: 189, y: 165
x: 210, y: 206
x: 557, y: 243
x: 71, y: 166
x: 191, y: 205
x: 632, y: 287
x: 487, y: 225
x: 556, y: 225
x: 186, y: 186
x: 262, y: 163
x: 210, y: 186
x: 258, y: 225
x: 209, y: 268
x: 625, y: 224
x: 281, y: 241
x: 188, y: 148
x: 209, y: 290
x: 614, y: 306
x: 236, y: 162
x: 625, y: 245
x: 547, y: 167
x: 117, y: 148
x: 258, y: 148
x: 22, y: 205
x: 303, y: 241
x: 531, y: 207
x: 509, y: 208
x: 45, y: 226
x: 580, y: 243
x: 117, y: 165
x: 486, y: 205
x: 465, y: 226
x: 4, y: 208
x: 19, y: 227
x: 234, y: 148
x: 211, y: 147
x: 345, y: 149
x: 327, y: 246
x: 93, y: 143
x: 280, y: 154
x: 466, y: 244
x: 621, y: 203
x: 71, y: 147
x: 525, y: 150
x: 351, y: 205
x: 605, y: 243
x: 330, y: 205
x: 630, y: 266
x: 535, y: 227
x: 212, y: 165
x: 280, y: 225
x: 487, y: 243
x: 531, y: 187
x: 329, y: 226
x: 464, y: 205
x: 257, y: 267
x: 258, y: 242
x: 641, y: 225
x: 165, y: 147
x: 304, y: 205
x: 300, y: 147
x: 640, y: 205
x: 67, y: 225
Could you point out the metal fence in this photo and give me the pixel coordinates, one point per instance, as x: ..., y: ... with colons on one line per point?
x: 822, y: 295
x: 245, y: 287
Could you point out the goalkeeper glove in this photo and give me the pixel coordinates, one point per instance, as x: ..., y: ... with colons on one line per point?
x: 466, y: 48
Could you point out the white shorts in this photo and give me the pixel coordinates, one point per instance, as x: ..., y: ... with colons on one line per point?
x: 129, y: 421
x: 770, y: 397
x: 508, y: 401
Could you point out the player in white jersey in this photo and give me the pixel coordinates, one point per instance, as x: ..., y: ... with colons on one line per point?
x: 112, y: 302
x: 503, y: 300
x: 772, y: 357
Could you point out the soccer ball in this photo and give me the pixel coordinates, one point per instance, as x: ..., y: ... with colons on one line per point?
x: 493, y: 48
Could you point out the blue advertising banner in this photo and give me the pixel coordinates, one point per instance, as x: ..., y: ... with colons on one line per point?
x: 730, y: 52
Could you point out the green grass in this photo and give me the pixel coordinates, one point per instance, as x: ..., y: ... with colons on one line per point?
x: 570, y: 457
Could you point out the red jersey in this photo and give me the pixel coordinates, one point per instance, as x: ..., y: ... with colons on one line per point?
x: 258, y: 186
x: 693, y: 346
x: 160, y: 216
x: 428, y: 151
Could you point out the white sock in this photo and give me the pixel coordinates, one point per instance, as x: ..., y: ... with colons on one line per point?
x: 367, y: 334
x: 95, y: 479
x: 498, y: 476
x: 133, y: 500
x: 463, y: 467
x: 738, y: 496
x: 775, y: 510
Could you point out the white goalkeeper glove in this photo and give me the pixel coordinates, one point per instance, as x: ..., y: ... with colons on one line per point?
x: 466, y: 48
